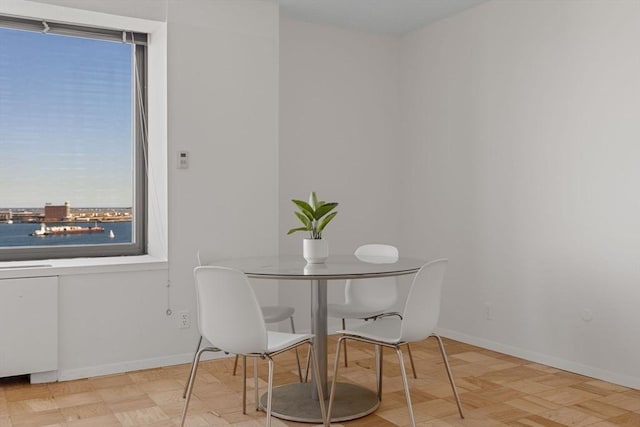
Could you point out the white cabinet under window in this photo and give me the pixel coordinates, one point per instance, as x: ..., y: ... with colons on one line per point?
x: 28, y: 325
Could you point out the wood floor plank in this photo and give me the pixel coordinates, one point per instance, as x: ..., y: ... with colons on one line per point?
x: 496, y: 390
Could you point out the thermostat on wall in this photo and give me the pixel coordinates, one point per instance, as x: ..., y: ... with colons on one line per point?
x: 183, y: 160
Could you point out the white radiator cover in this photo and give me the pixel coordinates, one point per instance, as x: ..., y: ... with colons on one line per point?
x: 28, y: 325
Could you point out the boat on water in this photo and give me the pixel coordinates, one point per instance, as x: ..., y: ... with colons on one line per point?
x: 65, y: 229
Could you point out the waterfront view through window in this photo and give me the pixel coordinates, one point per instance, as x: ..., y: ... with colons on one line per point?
x: 71, y: 171
x: 63, y: 225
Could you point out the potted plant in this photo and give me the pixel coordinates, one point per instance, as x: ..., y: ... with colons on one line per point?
x: 314, y: 215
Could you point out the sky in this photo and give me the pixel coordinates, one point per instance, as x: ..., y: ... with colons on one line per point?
x: 65, y: 121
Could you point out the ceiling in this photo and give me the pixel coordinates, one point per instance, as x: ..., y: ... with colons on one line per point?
x: 378, y: 16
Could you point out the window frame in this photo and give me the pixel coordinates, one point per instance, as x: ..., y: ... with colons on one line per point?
x: 140, y: 149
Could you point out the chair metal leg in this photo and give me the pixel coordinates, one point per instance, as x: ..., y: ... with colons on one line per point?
x: 379, y: 364
x: 405, y: 383
x: 413, y: 367
x: 293, y: 329
x: 235, y: 365
x: 244, y: 385
x: 195, y: 353
x: 344, y: 326
x: 255, y: 383
x: 306, y: 368
x: 312, y: 362
x: 269, y: 391
x: 449, y: 374
x: 332, y: 393
x: 192, y: 377
x: 316, y: 370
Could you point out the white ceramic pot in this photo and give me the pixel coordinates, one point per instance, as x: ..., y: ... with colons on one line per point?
x: 315, y: 251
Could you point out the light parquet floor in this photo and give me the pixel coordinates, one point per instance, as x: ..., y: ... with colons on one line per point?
x: 495, y: 389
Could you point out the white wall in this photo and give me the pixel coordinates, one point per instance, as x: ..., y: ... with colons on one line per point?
x: 521, y: 152
x: 503, y: 138
x: 338, y: 137
x: 223, y: 108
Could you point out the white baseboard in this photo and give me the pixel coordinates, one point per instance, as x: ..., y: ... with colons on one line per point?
x: 133, y: 365
x: 544, y: 359
x: 43, y: 377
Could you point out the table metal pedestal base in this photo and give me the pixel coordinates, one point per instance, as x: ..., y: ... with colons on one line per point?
x: 293, y: 402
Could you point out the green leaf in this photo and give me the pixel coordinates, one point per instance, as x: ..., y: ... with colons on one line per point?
x: 306, y: 221
x: 293, y: 230
x: 323, y: 210
x: 311, y: 215
x: 326, y: 221
x: 313, y: 200
x: 305, y: 208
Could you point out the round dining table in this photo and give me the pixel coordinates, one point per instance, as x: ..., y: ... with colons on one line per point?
x: 299, y: 401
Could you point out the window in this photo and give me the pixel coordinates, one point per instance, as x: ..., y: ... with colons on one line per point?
x: 73, y: 179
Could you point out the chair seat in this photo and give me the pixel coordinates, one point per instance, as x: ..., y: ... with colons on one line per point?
x: 276, y: 313
x: 353, y: 311
x: 277, y: 341
x: 386, y: 330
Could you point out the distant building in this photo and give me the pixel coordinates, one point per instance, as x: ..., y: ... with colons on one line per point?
x: 6, y: 215
x: 27, y: 216
x: 57, y: 212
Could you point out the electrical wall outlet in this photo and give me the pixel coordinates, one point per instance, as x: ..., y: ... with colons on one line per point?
x: 184, y: 319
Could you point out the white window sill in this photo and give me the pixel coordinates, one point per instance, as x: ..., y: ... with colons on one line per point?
x: 66, y: 267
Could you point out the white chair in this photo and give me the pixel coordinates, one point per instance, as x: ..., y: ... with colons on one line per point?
x: 418, y: 322
x: 369, y: 299
x: 229, y: 316
x: 271, y: 314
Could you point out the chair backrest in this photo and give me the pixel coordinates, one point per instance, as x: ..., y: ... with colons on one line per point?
x: 422, y: 308
x: 376, y: 253
x: 229, y: 315
x: 200, y: 260
x: 378, y: 294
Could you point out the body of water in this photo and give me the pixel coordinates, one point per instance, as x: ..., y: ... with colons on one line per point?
x: 19, y: 234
